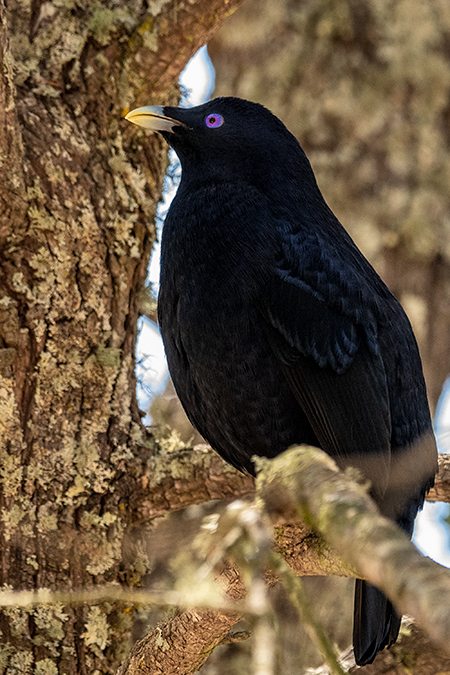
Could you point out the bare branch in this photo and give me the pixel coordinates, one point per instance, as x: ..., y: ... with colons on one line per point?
x: 110, y: 593
x: 179, y: 30
x: 185, y: 477
x: 441, y: 490
x: 181, y: 645
x: 195, y: 475
x: 306, y: 480
x: 413, y: 653
x: 296, y: 593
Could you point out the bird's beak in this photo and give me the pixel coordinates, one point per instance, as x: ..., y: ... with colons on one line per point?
x: 152, y: 117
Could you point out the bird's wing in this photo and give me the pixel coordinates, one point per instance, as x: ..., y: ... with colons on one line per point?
x: 322, y: 326
x: 321, y: 302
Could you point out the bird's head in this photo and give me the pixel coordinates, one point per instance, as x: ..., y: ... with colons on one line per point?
x: 227, y: 139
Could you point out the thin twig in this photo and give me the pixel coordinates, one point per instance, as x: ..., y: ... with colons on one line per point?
x: 296, y: 593
x: 92, y: 596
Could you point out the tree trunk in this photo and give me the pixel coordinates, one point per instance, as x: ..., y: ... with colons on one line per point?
x: 78, y: 192
x: 365, y: 87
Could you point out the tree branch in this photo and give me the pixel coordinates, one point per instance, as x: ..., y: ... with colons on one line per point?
x: 177, y: 31
x: 182, y: 644
x: 194, y: 475
x: 441, y: 490
x: 307, y: 481
x: 189, y: 476
x: 184, y: 477
x: 413, y: 653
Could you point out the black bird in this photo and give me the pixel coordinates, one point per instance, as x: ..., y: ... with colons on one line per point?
x: 277, y: 330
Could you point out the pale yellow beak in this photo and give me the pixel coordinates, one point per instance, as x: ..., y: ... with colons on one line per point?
x: 152, y: 117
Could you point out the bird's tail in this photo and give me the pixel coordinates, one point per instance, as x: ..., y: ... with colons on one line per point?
x: 375, y: 623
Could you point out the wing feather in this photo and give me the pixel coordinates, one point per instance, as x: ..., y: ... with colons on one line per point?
x: 324, y: 335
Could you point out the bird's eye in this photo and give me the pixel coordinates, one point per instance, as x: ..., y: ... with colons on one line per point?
x: 214, y: 120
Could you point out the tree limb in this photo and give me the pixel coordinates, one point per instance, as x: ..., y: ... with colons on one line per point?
x: 306, y: 480
x: 182, y: 644
x: 178, y: 31
x: 413, y: 653
x: 179, y: 646
x: 178, y: 479
x: 441, y: 490
x: 312, y: 488
x: 194, y: 475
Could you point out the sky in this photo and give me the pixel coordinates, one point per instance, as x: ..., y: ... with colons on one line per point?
x: 431, y: 535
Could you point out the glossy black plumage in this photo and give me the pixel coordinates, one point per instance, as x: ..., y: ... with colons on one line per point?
x: 278, y: 331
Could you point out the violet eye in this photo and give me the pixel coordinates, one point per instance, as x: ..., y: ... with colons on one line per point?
x: 214, y: 120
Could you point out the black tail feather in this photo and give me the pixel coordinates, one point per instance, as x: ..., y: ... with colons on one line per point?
x: 375, y: 625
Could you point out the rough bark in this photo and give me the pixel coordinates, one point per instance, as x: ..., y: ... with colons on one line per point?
x: 181, y: 645
x: 183, y: 477
x: 187, y: 475
x: 365, y: 87
x: 78, y: 194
